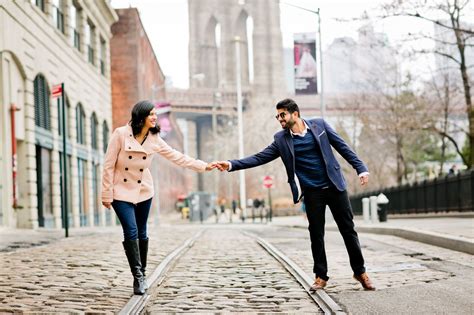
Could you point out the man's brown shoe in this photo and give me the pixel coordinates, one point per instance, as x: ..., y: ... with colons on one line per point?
x: 365, y: 281
x: 318, y: 284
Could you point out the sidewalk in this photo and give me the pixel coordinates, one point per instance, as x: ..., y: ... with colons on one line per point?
x: 456, y: 233
x: 13, y: 239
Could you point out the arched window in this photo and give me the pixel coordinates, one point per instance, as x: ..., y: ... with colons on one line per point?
x: 210, y: 61
x: 244, y: 29
x: 80, y: 124
x: 94, y: 129
x: 105, y: 135
x: 41, y: 95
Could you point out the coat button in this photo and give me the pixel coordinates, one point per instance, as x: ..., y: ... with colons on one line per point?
x: 144, y: 157
x: 124, y: 179
x: 141, y: 170
x: 139, y: 181
x: 129, y: 148
x: 130, y: 157
x: 130, y: 135
x: 126, y: 168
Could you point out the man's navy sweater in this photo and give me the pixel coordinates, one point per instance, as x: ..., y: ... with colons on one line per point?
x: 309, y: 163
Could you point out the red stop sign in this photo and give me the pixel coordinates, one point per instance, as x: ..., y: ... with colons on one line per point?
x: 268, y: 181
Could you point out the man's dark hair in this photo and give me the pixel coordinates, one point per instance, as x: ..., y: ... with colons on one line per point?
x: 289, y: 105
x: 140, y: 112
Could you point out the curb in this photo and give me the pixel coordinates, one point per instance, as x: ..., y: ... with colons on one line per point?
x: 456, y: 243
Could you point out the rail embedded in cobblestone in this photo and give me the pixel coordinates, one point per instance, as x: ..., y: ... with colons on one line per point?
x: 138, y: 302
x: 320, y: 297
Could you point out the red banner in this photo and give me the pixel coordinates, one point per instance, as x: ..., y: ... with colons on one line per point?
x: 57, y: 90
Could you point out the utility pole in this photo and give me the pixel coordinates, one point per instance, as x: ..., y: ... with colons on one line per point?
x: 243, y: 197
x: 321, y: 82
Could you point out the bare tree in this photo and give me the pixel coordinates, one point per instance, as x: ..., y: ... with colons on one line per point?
x: 443, y: 94
x: 449, y: 15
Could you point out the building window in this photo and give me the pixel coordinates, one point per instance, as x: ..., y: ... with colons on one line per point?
x: 83, y: 192
x: 80, y: 123
x: 41, y: 96
x: 105, y: 136
x: 75, y: 19
x: 103, y: 54
x: 39, y: 4
x: 58, y: 14
x: 94, y: 128
x: 89, y: 40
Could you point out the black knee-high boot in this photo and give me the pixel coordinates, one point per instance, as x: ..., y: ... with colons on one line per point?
x: 133, y: 255
x: 143, y: 244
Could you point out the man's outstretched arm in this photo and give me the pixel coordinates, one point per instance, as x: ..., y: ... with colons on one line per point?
x: 266, y: 155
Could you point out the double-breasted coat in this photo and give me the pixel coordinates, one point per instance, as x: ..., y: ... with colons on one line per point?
x: 126, y: 175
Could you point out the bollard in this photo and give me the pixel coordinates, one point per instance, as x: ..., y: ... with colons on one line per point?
x: 382, y: 201
x: 373, y: 209
x: 366, y: 210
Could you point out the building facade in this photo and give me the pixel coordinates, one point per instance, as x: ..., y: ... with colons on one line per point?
x: 44, y: 43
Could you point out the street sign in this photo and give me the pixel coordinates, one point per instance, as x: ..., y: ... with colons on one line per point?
x: 268, y: 181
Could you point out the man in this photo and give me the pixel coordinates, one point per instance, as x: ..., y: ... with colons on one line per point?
x: 313, y: 171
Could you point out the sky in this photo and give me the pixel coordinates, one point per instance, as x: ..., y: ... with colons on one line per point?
x: 166, y: 24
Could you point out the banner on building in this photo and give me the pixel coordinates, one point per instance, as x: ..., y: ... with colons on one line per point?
x: 305, y: 63
x: 164, y: 120
x: 57, y: 90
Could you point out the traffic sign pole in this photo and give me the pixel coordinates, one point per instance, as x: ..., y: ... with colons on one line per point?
x: 268, y: 183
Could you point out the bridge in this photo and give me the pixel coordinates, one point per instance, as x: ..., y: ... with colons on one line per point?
x: 194, y: 103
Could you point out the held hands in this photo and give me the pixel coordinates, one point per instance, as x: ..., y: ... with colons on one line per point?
x: 211, y: 166
x: 223, y: 165
x: 220, y: 165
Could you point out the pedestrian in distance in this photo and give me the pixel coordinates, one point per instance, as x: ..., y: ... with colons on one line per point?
x: 234, y: 206
x: 313, y: 172
x: 452, y: 170
x: 127, y: 184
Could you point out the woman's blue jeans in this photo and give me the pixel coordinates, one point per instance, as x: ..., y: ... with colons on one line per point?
x: 133, y: 218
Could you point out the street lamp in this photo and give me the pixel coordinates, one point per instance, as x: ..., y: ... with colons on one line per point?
x: 243, y: 196
x: 321, y: 93
x: 215, y: 104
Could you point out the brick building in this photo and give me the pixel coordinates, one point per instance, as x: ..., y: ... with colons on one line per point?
x: 136, y: 75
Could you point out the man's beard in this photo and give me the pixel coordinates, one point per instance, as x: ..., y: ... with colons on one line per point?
x: 288, y: 124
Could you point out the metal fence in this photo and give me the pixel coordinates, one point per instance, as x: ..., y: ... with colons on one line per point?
x: 442, y: 194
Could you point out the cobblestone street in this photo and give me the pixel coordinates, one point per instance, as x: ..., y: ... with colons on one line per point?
x: 227, y: 271
x: 79, y: 274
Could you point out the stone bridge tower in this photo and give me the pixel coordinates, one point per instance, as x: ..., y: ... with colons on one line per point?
x: 213, y: 26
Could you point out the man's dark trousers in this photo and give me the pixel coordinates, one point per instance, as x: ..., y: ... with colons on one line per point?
x: 338, y: 201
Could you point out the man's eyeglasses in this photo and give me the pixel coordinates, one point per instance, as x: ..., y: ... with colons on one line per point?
x: 281, y: 115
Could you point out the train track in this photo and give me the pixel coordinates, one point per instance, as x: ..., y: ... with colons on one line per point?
x: 322, y: 301
x: 320, y: 297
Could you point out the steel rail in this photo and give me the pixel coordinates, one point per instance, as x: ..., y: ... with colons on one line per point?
x: 138, y: 302
x: 320, y: 297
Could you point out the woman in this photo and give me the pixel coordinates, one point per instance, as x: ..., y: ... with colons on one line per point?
x: 127, y: 184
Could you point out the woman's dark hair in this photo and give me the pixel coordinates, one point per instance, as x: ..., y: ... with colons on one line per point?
x: 289, y: 105
x: 140, y: 112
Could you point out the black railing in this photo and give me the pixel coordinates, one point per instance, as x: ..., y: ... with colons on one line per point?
x: 442, y: 194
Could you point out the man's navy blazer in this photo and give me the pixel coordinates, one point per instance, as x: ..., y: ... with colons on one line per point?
x: 282, y: 146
